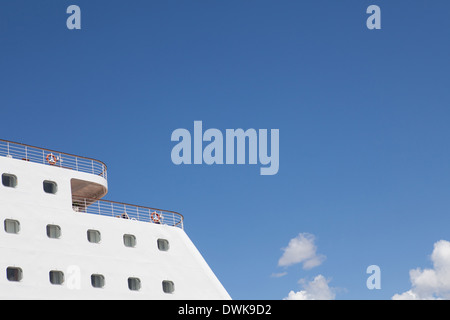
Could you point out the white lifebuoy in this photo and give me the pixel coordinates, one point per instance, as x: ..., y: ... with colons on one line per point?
x: 52, y: 159
x: 156, y: 217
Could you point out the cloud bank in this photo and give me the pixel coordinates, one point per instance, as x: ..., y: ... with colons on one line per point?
x: 301, y: 249
x: 317, y: 289
x: 431, y: 284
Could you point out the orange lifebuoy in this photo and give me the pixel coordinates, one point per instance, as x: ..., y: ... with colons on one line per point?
x: 51, y: 158
x: 156, y: 217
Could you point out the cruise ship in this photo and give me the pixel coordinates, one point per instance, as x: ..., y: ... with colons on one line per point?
x: 60, y: 240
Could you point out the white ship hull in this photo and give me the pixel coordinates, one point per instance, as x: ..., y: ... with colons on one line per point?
x: 35, y: 264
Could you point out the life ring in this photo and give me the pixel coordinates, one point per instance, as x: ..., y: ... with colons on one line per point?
x: 52, y: 159
x: 156, y: 217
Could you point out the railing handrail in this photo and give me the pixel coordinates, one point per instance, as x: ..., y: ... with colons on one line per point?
x: 133, y: 212
x: 78, y: 166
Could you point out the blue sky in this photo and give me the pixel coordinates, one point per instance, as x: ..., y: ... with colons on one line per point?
x: 363, y: 118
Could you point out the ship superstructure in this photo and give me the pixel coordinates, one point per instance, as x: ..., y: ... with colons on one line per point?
x: 60, y: 240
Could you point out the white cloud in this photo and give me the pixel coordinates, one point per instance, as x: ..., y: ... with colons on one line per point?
x: 431, y: 284
x: 317, y: 289
x: 301, y: 249
x: 278, y: 275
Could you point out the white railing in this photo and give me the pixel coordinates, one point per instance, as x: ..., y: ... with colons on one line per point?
x: 127, y: 211
x: 52, y: 158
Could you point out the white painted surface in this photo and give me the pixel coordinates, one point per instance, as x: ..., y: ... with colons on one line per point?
x: 36, y: 254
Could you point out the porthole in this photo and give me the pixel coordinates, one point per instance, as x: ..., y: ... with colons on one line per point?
x: 12, y: 226
x: 9, y: 180
x: 53, y: 231
x: 129, y: 240
x: 163, y: 245
x: 14, y: 274
x: 50, y: 187
x: 97, y: 280
x: 94, y: 236
x: 134, y: 284
x: 56, y: 277
x: 168, y: 286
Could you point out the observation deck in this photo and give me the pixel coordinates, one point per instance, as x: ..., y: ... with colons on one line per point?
x: 52, y: 158
x: 86, y: 190
x: 127, y: 211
